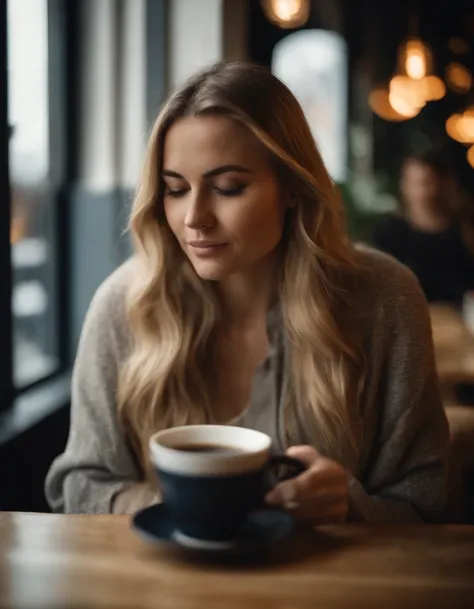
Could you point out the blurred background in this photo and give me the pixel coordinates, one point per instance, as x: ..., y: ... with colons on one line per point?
x: 83, y: 80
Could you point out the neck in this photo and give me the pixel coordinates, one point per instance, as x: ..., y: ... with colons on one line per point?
x: 431, y: 221
x: 247, y: 296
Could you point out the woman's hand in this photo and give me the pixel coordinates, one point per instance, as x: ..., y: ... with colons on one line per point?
x: 318, y: 495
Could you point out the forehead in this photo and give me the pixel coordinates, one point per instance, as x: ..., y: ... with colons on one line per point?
x: 196, y: 144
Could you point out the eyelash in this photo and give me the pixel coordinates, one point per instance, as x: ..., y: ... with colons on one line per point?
x: 229, y: 192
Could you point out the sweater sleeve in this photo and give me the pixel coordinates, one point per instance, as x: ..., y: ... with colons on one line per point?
x: 98, y: 465
x: 405, y: 477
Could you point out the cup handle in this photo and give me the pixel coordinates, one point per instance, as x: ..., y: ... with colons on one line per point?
x: 281, y: 467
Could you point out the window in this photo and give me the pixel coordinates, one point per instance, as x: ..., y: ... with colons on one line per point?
x: 33, y: 222
x: 313, y: 64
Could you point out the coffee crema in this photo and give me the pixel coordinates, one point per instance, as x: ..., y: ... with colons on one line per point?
x: 209, y: 448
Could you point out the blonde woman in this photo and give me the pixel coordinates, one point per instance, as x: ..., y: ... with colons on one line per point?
x: 246, y: 304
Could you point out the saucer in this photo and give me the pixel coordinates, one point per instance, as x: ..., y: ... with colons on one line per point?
x: 262, y: 529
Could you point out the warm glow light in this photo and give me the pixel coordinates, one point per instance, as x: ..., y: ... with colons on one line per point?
x: 17, y: 229
x: 415, y: 84
x: 415, y: 65
x: 410, y: 93
x: 400, y: 105
x: 414, y: 59
x: 458, y: 77
x: 470, y: 156
x: 380, y: 105
x: 287, y: 13
x: 460, y: 127
x: 458, y: 46
x: 433, y: 88
x: 286, y: 9
x: 466, y: 127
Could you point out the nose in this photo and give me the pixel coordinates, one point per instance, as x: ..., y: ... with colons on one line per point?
x: 199, y: 213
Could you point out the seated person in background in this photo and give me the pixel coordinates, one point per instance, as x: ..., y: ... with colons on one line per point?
x: 431, y: 234
x: 246, y: 304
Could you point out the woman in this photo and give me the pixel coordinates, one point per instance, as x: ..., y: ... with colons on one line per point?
x: 432, y: 237
x: 246, y: 304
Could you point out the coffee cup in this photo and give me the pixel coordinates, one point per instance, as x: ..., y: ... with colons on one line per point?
x: 212, y: 476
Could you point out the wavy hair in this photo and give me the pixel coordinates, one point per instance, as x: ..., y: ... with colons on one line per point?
x: 173, y: 313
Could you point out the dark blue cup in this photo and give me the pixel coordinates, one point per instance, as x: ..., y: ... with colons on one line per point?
x: 212, y: 476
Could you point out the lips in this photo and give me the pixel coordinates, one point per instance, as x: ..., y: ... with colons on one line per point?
x: 205, y: 244
x: 206, y: 248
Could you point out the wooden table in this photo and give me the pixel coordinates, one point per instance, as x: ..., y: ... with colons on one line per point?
x: 454, y: 346
x: 49, y: 561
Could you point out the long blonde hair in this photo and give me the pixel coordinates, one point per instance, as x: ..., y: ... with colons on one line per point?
x: 172, y: 312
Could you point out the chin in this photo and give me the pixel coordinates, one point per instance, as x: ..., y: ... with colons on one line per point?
x: 211, y: 272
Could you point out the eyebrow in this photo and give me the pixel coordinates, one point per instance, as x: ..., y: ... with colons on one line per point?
x: 209, y: 174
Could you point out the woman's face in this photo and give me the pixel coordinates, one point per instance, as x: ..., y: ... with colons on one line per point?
x: 420, y: 187
x: 222, y: 199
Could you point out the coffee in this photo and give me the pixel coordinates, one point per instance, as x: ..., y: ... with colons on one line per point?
x: 209, y: 448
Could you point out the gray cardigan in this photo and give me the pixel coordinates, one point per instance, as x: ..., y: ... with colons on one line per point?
x: 400, y: 474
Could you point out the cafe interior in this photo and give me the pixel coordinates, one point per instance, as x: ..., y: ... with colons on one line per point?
x: 387, y: 89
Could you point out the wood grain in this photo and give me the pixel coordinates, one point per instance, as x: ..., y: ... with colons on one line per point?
x: 454, y: 346
x: 54, y: 561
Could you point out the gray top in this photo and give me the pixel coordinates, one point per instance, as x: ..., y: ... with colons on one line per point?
x: 400, y: 475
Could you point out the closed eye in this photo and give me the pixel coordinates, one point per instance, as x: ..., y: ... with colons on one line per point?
x: 231, y: 192
x: 175, y: 192
x: 224, y: 192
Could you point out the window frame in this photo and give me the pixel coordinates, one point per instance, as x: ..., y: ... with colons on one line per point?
x: 64, y: 47
x: 60, y: 48
x: 6, y: 342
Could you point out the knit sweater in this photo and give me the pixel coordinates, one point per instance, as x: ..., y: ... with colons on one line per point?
x: 400, y: 473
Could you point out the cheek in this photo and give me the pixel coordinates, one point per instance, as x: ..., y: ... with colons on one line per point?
x: 258, y: 226
x: 172, y: 217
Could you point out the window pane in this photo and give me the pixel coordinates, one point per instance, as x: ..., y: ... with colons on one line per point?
x: 32, y: 225
x: 313, y: 64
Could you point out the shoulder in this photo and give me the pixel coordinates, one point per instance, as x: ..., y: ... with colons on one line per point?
x: 112, y: 291
x: 389, y: 288
x: 106, y: 316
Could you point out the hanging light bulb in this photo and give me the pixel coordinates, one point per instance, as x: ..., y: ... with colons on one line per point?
x: 414, y: 59
x: 415, y: 65
x: 287, y: 14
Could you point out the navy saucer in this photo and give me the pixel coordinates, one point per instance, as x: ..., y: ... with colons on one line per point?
x: 263, y: 528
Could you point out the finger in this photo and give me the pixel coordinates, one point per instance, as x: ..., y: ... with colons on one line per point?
x: 306, y: 454
x: 315, y: 481
x: 318, y: 480
x: 284, y: 492
x: 320, y: 512
x: 317, y: 503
